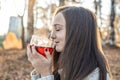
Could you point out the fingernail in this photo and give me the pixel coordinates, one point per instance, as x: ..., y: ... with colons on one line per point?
x: 32, y: 45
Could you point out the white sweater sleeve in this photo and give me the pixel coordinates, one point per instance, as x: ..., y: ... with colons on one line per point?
x: 50, y: 77
x: 35, y: 76
x: 95, y: 75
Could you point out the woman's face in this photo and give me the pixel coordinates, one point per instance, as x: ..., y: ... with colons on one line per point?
x: 59, y: 32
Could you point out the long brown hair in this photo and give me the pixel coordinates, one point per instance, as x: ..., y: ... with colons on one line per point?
x: 82, y: 52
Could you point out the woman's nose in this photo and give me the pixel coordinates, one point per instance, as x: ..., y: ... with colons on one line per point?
x: 53, y: 36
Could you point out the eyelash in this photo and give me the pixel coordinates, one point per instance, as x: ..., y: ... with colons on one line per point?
x: 57, y: 29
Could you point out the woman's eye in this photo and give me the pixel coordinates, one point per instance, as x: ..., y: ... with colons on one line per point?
x: 57, y: 29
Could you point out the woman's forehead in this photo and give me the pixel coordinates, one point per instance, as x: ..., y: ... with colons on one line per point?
x: 58, y: 19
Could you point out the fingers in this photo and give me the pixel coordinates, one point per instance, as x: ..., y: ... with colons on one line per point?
x: 47, y: 53
x: 34, y: 52
x: 33, y: 55
x: 36, y: 55
x: 38, y: 61
x: 29, y: 52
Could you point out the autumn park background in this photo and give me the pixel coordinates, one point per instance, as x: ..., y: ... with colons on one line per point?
x: 20, y: 19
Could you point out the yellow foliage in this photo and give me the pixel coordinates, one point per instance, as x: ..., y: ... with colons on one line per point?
x: 11, y: 41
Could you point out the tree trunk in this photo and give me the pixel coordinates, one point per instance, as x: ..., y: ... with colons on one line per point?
x: 22, y: 24
x: 96, y: 6
x: 112, y: 18
x: 100, y: 6
x: 62, y: 2
x: 30, y: 18
x: 23, y: 32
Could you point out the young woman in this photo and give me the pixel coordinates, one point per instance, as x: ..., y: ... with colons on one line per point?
x: 78, y: 53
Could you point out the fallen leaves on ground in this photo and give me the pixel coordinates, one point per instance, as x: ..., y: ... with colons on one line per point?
x: 14, y: 64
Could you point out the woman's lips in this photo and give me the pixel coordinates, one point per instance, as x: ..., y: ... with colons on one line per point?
x: 56, y: 43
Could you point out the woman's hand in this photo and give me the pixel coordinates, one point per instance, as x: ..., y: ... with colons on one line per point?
x: 39, y: 62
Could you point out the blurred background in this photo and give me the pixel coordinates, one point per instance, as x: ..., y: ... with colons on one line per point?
x: 20, y: 19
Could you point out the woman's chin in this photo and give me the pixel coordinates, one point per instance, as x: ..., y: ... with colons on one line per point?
x: 58, y: 50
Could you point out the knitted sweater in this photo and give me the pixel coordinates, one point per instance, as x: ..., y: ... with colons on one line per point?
x: 94, y: 75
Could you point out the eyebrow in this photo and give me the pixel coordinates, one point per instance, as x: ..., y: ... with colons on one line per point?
x: 57, y: 24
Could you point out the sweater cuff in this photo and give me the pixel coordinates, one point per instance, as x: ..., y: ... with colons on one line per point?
x: 36, y: 76
x: 50, y: 77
